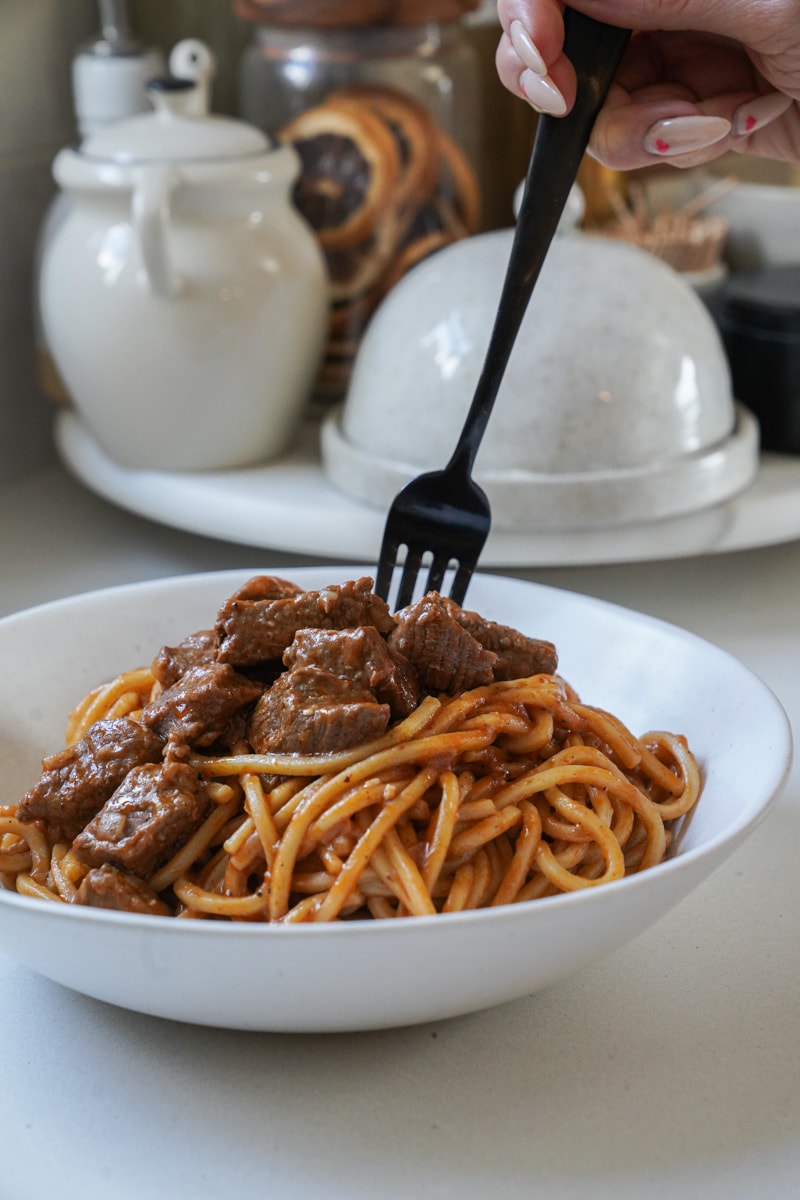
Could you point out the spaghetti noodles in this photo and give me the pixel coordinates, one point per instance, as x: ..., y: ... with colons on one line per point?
x: 504, y: 793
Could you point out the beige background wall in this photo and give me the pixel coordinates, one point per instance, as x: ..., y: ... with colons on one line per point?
x: 35, y: 120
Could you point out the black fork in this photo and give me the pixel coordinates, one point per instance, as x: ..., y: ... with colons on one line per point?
x: 444, y: 514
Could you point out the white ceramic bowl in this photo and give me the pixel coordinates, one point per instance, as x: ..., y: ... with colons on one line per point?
x: 351, y: 976
x: 616, y: 405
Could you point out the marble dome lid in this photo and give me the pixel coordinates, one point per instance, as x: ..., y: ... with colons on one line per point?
x: 616, y: 405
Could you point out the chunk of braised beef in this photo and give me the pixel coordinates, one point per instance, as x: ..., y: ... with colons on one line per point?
x: 255, y: 631
x: 234, y: 733
x: 152, y: 813
x: 199, y: 706
x: 259, y: 589
x: 363, y: 656
x: 265, y: 587
x: 401, y: 690
x: 77, y: 781
x: 518, y: 656
x: 108, y: 887
x: 311, y: 711
x: 445, y: 656
x: 194, y: 651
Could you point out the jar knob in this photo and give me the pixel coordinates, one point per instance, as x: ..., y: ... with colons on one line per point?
x: 192, y: 60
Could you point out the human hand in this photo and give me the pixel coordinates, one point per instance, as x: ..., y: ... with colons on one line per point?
x: 700, y: 78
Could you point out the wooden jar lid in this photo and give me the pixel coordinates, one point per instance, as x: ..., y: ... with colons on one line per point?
x: 333, y: 14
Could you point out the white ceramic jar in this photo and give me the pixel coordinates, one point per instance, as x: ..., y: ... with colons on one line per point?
x: 184, y: 299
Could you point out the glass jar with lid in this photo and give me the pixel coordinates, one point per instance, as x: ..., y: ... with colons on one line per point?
x: 381, y: 101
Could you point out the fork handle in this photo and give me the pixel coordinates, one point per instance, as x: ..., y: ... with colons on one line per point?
x: 595, y: 50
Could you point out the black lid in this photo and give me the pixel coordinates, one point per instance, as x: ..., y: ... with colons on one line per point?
x: 767, y: 298
x: 171, y: 83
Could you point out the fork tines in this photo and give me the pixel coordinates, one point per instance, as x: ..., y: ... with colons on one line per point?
x: 414, y: 565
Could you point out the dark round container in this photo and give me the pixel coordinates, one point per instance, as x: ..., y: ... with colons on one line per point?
x: 758, y: 315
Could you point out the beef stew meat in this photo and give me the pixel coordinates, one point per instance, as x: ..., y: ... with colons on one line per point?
x: 360, y: 654
x: 312, y: 711
x: 76, y: 782
x: 265, y: 587
x: 108, y: 887
x: 518, y: 656
x: 197, y: 650
x: 255, y: 631
x: 198, y: 707
x: 155, y: 809
x: 445, y: 656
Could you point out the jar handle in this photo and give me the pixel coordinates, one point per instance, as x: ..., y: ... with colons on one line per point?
x: 152, y: 192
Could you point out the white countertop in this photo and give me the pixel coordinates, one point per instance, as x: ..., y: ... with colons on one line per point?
x: 670, y: 1070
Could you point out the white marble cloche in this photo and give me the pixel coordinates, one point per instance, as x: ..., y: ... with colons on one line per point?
x: 616, y: 405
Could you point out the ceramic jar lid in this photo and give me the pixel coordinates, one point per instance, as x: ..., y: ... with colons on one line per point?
x: 175, y: 132
x: 339, y: 13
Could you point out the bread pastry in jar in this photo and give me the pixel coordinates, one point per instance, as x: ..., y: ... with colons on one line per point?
x: 381, y: 100
x: 383, y: 186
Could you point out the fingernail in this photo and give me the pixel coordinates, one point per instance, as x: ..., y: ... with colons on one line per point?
x: 755, y: 114
x: 678, y: 135
x: 542, y: 94
x: 526, y: 49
